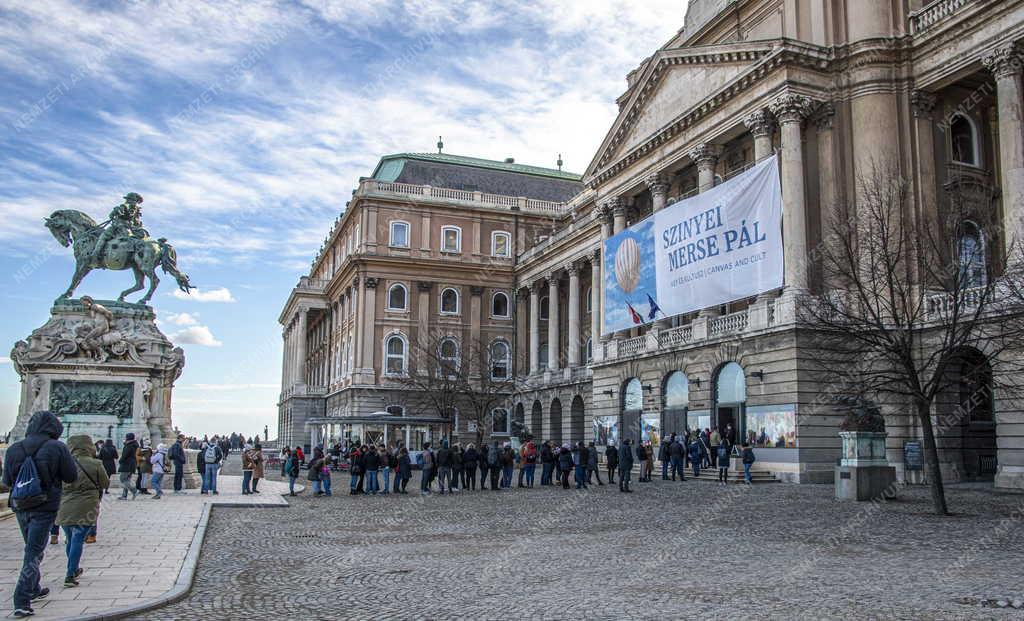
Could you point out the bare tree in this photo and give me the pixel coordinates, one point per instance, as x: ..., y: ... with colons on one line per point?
x: 907, y: 295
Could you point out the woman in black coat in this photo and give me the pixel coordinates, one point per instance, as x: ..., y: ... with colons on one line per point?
x: 611, y: 459
x: 404, y: 468
x: 469, y: 462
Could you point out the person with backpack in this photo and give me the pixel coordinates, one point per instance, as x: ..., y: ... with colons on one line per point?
x: 611, y: 460
x: 748, y: 458
x: 325, y: 474
x: 127, y: 465
x: 291, y: 469
x: 625, y: 465
x: 722, y: 459
x: 470, y: 459
x: 176, y: 455
x: 35, y: 469
x: 696, y: 456
x: 386, y: 466
x: 212, y: 456
x: 80, y: 503
x: 159, y: 463
x: 641, y: 458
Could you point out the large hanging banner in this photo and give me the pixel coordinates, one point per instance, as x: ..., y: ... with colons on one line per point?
x: 719, y: 246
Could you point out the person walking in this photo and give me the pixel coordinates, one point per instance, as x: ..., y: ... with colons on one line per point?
x: 625, y: 465
x: 748, y: 460
x: 36, y: 514
x: 247, y: 468
x: 158, y: 462
x: 80, y: 503
x: 108, y: 455
x: 212, y: 456
x: 126, y: 466
x: 592, y: 468
x: 404, y: 469
x: 145, y: 467
x: 176, y: 455
x: 547, y: 462
x: 565, y: 465
x: 611, y: 460
x: 291, y: 469
x: 427, y: 462
x: 470, y: 459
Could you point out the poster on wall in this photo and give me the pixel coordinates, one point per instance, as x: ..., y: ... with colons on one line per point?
x: 719, y: 246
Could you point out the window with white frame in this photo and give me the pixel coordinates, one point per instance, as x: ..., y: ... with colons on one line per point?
x: 398, y: 297
x: 399, y: 234
x: 973, y: 268
x: 448, y: 353
x: 394, y: 355
x: 499, y: 421
x: 449, y: 301
x: 499, y: 305
x: 451, y: 239
x: 501, y: 244
x: 963, y: 139
x: 501, y: 356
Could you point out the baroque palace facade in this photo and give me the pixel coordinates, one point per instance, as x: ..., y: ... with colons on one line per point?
x: 507, y: 255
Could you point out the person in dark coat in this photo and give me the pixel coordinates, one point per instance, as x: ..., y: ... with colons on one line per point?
x: 696, y: 456
x: 54, y: 466
x: 470, y: 460
x: 177, y: 457
x: 108, y: 455
x: 565, y: 465
x: 404, y: 468
x: 611, y: 458
x: 625, y: 465
x: 664, y: 457
x: 201, y: 467
x: 127, y: 465
x: 547, y: 462
x: 485, y: 467
x: 456, y: 468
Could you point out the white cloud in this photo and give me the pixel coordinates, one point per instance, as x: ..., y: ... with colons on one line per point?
x: 220, y: 294
x: 196, y: 335
x: 5, y: 360
x: 229, y: 387
x: 183, y: 319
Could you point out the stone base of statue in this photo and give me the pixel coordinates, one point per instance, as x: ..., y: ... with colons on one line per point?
x: 104, y: 368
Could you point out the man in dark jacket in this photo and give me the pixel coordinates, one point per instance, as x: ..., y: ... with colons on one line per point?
x: 625, y: 465
x: 663, y: 457
x: 177, y: 457
x: 547, y: 461
x: 126, y: 466
x: 611, y: 458
x: 55, y: 466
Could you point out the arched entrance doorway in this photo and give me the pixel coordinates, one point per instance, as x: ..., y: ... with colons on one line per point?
x: 576, y: 414
x: 555, y: 422
x: 537, y: 421
x: 632, y: 409
x: 730, y: 402
x: 676, y: 391
x: 966, y: 430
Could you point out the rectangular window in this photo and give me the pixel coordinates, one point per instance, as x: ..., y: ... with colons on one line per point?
x: 499, y: 421
x: 500, y: 246
x: 451, y: 239
x: 399, y: 235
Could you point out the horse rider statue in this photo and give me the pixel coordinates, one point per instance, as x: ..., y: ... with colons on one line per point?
x: 125, y: 221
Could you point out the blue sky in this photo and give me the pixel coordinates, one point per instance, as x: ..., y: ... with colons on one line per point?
x: 246, y: 125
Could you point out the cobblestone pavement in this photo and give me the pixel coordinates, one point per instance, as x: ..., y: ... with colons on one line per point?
x: 670, y: 550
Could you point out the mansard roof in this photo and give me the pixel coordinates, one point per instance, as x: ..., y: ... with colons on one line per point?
x: 478, y: 175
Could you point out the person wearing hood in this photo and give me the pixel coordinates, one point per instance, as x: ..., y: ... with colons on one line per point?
x: 159, y: 463
x: 54, y: 466
x: 108, y: 455
x: 127, y: 465
x: 565, y: 465
x: 80, y: 502
x: 625, y: 465
x: 142, y: 455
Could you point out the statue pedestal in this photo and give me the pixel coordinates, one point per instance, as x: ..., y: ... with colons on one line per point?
x: 102, y: 375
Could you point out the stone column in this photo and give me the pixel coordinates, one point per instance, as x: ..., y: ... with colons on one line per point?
x: 705, y: 156
x: 284, y: 358
x: 596, y: 303
x: 922, y: 104
x: 1005, y: 64
x: 827, y: 197
x: 574, y: 315
x: 554, y: 339
x: 761, y: 125
x: 535, y: 327
x: 303, y: 340
x: 791, y: 110
x: 475, y: 292
x: 657, y: 183
x: 423, y: 289
x: 369, y: 325
x: 618, y: 207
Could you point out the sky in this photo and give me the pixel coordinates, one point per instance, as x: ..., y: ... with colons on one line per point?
x: 246, y: 125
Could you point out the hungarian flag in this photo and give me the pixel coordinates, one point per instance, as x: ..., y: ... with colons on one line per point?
x: 655, y: 309
x: 633, y: 314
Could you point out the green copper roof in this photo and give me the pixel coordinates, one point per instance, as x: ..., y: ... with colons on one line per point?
x: 390, y: 166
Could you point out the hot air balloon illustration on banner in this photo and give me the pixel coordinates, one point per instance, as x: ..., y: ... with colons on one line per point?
x: 627, y: 265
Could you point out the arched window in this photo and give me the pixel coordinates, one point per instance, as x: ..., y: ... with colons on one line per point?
x: 971, y: 248
x: 394, y: 355
x: 499, y: 305
x: 501, y: 244
x: 448, y: 352
x: 449, y: 302
x: 543, y: 354
x: 730, y: 393
x: 677, y: 391
x: 963, y: 138
x: 633, y: 396
x: 500, y: 360
x: 732, y: 385
x: 544, y: 307
x: 398, y: 297
x: 399, y: 234
x: 451, y: 239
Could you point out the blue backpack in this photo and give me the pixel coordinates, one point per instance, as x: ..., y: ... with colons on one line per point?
x: 28, y: 491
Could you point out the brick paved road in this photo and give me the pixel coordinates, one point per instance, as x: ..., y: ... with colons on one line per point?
x: 670, y: 550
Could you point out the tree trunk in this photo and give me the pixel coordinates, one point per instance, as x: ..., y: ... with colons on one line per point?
x: 931, y: 456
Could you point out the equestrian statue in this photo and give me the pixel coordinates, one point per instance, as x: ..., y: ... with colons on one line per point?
x: 120, y: 243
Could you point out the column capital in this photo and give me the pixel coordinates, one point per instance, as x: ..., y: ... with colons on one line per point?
x: 761, y: 123
x: 595, y: 255
x: 705, y: 155
x: 657, y: 183
x: 572, y: 268
x: 922, y: 103
x: 1003, y: 61
x: 791, y: 108
x: 534, y: 287
x: 824, y: 116
x: 355, y: 282
x: 553, y: 276
x: 370, y: 282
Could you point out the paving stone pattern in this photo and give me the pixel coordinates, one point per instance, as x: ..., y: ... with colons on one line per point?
x: 670, y: 550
